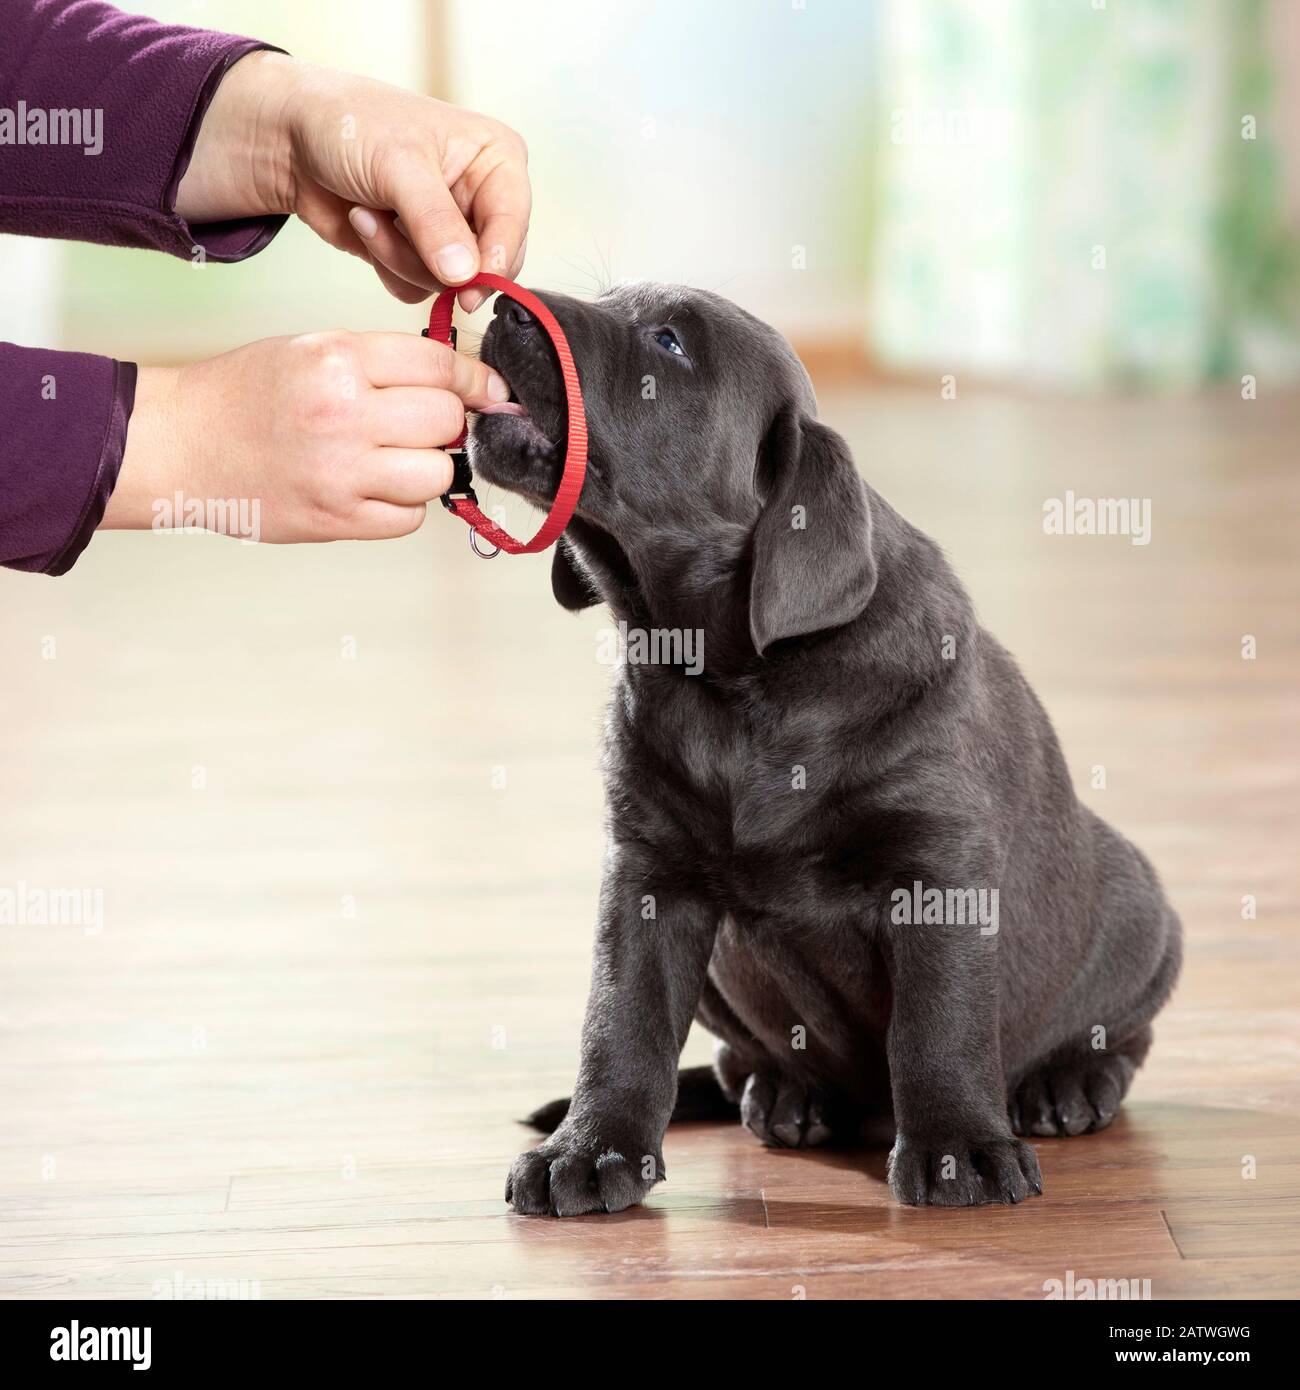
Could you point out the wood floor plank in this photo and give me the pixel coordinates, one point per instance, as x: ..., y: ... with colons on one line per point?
x: 347, y: 900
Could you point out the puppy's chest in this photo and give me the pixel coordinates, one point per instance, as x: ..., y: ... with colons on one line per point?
x: 719, y: 777
x: 734, y: 807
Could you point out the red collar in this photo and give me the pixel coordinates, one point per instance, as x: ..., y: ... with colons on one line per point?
x: 460, y: 498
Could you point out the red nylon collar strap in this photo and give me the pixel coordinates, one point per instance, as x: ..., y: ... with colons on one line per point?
x: 460, y: 499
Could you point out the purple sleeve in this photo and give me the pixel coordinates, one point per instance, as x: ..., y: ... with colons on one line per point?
x: 99, y: 112
x: 65, y: 417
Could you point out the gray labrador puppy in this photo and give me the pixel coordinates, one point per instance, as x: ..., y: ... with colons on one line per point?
x: 848, y: 845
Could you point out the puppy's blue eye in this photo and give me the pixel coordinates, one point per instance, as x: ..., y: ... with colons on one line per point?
x: 668, y: 340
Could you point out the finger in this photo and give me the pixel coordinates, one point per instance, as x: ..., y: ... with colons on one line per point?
x: 501, y: 207
x: 389, y: 248
x: 500, y: 241
x: 469, y: 300
x: 330, y: 218
x: 415, y: 417
x: 400, y: 289
x: 434, y: 223
x: 406, y: 359
x: 403, y: 477
x: 327, y: 215
x: 383, y: 521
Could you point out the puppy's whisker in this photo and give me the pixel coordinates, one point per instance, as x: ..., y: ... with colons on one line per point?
x: 729, y: 280
x: 595, y: 274
x: 588, y: 270
x: 580, y: 291
x: 607, y: 275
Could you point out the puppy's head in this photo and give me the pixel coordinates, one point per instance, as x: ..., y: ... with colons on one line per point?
x: 709, y: 480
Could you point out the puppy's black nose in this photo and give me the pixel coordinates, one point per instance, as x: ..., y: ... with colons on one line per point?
x: 514, y: 314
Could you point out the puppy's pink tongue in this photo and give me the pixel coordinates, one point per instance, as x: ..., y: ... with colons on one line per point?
x: 504, y: 408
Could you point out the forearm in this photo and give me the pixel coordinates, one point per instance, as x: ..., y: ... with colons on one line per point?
x: 652, y: 955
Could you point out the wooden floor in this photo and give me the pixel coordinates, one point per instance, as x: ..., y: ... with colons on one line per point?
x: 344, y: 809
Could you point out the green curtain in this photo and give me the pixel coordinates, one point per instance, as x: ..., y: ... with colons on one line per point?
x: 1082, y: 193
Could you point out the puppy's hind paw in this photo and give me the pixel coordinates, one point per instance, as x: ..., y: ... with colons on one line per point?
x: 1065, y: 1098
x: 963, y: 1172
x: 784, y: 1114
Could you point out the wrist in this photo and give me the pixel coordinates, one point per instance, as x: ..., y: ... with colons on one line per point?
x: 157, y: 461
x: 241, y: 165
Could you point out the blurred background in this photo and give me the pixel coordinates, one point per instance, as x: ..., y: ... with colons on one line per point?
x: 1071, y: 193
x: 343, y: 802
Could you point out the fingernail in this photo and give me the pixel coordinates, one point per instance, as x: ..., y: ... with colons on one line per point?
x: 363, y: 222
x: 498, y: 390
x: 454, y: 263
x: 471, y: 299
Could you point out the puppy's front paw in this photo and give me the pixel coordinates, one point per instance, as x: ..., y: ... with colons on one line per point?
x: 963, y: 1172
x: 575, y: 1172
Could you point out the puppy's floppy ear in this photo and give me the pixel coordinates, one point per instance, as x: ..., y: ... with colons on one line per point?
x: 813, y: 562
x: 569, y: 582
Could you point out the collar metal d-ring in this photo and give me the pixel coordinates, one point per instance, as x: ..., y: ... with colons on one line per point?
x: 482, y: 554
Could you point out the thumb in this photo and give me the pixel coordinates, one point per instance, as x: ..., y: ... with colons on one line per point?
x: 433, y: 223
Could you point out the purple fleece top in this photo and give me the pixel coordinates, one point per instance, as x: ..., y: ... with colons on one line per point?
x: 63, y: 415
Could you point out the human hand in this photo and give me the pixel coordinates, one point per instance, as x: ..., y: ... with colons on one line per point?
x: 316, y: 438
x: 426, y: 192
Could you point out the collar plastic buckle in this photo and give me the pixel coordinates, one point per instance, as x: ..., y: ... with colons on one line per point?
x: 462, y: 480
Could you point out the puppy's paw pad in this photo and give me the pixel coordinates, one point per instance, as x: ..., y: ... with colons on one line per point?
x: 963, y: 1172
x: 571, y: 1175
